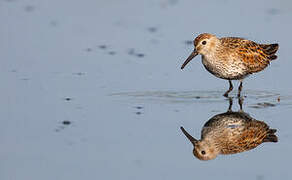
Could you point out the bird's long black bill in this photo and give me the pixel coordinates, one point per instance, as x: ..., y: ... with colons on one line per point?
x: 193, y: 54
x: 191, y: 138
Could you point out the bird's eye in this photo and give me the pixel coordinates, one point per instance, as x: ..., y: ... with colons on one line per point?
x: 204, y: 42
x: 203, y: 152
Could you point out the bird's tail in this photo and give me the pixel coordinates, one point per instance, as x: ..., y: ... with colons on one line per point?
x: 270, y: 50
x: 271, y: 137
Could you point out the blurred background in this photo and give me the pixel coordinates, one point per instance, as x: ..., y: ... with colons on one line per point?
x: 93, y: 89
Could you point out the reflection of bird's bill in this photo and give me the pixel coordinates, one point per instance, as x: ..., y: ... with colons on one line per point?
x: 191, y: 56
x: 191, y: 138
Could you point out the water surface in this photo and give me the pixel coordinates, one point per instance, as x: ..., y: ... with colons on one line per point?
x: 94, y: 89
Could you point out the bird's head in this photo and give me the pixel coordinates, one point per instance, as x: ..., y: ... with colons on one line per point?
x: 204, y: 43
x: 203, y: 150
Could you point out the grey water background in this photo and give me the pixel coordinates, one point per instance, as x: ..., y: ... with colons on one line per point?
x: 93, y: 89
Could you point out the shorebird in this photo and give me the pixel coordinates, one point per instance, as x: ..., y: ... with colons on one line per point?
x: 230, y: 133
x: 232, y: 58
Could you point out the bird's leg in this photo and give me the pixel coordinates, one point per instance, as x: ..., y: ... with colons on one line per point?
x: 230, y: 104
x: 239, y: 88
x: 240, y: 102
x: 230, y: 89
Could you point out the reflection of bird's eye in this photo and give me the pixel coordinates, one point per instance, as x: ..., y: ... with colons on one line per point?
x: 203, y: 152
x: 204, y: 42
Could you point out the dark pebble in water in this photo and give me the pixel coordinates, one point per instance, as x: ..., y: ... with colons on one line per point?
x: 29, y: 8
x: 138, y: 162
x: 131, y: 51
x: 53, y: 23
x: 263, y: 105
x: 140, y: 55
x: 138, y: 113
x: 273, y: 11
x: 66, y: 122
x: 152, y: 29
x: 188, y: 42
x: 139, y: 107
x: 79, y: 73
x: 88, y: 49
x: 68, y: 99
x: 266, y: 104
x: 102, y: 47
x: 112, y: 53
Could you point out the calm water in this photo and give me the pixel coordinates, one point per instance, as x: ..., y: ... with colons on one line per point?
x: 94, y: 90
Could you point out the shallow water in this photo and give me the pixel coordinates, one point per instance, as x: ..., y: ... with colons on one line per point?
x: 94, y: 89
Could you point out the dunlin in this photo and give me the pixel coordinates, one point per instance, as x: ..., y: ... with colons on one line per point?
x: 230, y: 133
x: 232, y: 58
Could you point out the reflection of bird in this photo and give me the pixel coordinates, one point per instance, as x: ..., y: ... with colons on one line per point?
x: 232, y: 58
x: 229, y: 133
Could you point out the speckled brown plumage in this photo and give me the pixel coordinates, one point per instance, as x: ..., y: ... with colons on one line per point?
x: 229, y: 133
x: 232, y: 58
x: 237, y: 132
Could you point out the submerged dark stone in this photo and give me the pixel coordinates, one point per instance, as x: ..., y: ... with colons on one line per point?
x: 68, y: 99
x: 102, y: 47
x: 66, y: 122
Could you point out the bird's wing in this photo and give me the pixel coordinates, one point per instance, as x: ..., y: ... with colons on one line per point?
x: 255, y: 56
x: 252, y: 135
x: 245, y: 135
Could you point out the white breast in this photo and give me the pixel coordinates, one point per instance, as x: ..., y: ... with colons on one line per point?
x: 225, y: 69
